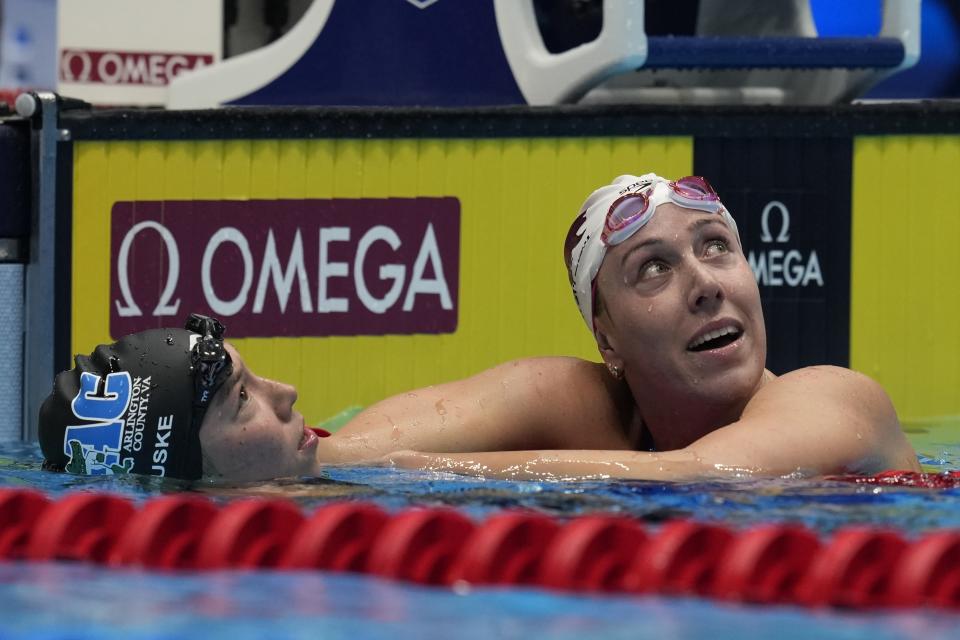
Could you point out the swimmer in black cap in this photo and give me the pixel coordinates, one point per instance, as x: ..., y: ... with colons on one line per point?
x: 137, y: 405
x: 178, y: 403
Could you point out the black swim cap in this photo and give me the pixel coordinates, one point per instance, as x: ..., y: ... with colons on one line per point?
x: 136, y: 406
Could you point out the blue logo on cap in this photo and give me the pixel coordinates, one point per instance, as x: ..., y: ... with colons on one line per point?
x: 94, y: 448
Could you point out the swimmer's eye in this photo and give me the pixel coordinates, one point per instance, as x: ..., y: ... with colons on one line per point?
x: 653, y: 268
x: 717, y: 247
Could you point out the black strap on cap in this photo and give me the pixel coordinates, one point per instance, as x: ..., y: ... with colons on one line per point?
x: 211, y: 365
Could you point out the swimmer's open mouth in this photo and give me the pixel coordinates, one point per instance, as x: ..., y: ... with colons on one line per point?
x: 715, y: 339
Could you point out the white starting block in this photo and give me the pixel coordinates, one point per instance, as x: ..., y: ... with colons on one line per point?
x: 490, y: 52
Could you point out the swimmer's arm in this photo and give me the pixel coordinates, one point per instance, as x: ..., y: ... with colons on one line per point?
x: 534, y: 403
x: 560, y: 464
x: 816, y: 421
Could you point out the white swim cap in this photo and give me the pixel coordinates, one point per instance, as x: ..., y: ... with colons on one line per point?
x: 602, y: 223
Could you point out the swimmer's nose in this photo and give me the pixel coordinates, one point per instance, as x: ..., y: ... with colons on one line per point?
x: 706, y: 291
x: 284, y: 396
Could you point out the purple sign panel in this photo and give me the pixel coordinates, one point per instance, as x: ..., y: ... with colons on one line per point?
x: 342, y: 267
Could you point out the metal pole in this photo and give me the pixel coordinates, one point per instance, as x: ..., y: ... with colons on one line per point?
x: 39, y: 295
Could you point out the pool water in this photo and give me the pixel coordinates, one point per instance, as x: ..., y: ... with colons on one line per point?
x: 76, y: 601
x: 80, y: 602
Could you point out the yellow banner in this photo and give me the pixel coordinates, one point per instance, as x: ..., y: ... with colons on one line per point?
x: 518, y: 197
x: 905, y: 273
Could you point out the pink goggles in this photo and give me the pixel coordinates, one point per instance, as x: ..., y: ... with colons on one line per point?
x: 631, y: 211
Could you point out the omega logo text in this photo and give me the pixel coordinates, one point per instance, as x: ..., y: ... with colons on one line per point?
x: 289, y: 267
x: 782, y: 267
x: 127, y: 67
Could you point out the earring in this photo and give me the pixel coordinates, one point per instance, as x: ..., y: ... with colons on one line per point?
x: 615, y: 370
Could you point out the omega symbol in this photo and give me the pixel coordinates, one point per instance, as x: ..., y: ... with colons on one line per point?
x: 163, y: 308
x: 784, y: 235
x: 66, y: 66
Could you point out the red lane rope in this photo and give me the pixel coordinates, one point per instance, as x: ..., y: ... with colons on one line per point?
x: 771, y: 563
x: 947, y: 480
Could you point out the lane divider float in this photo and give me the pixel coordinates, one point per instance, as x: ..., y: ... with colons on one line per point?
x: 769, y: 564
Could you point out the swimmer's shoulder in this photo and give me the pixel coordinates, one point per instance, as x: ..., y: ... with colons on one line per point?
x: 829, y: 380
x: 838, y: 398
x: 589, y: 408
x: 574, y: 376
x: 566, y: 370
x: 826, y: 382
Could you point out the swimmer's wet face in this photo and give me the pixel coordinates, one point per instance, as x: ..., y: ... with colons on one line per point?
x: 252, y: 431
x: 667, y: 292
x: 671, y: 301
x: 615, y: 212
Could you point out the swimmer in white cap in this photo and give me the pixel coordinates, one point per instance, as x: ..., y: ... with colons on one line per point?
x: 661, y: 281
